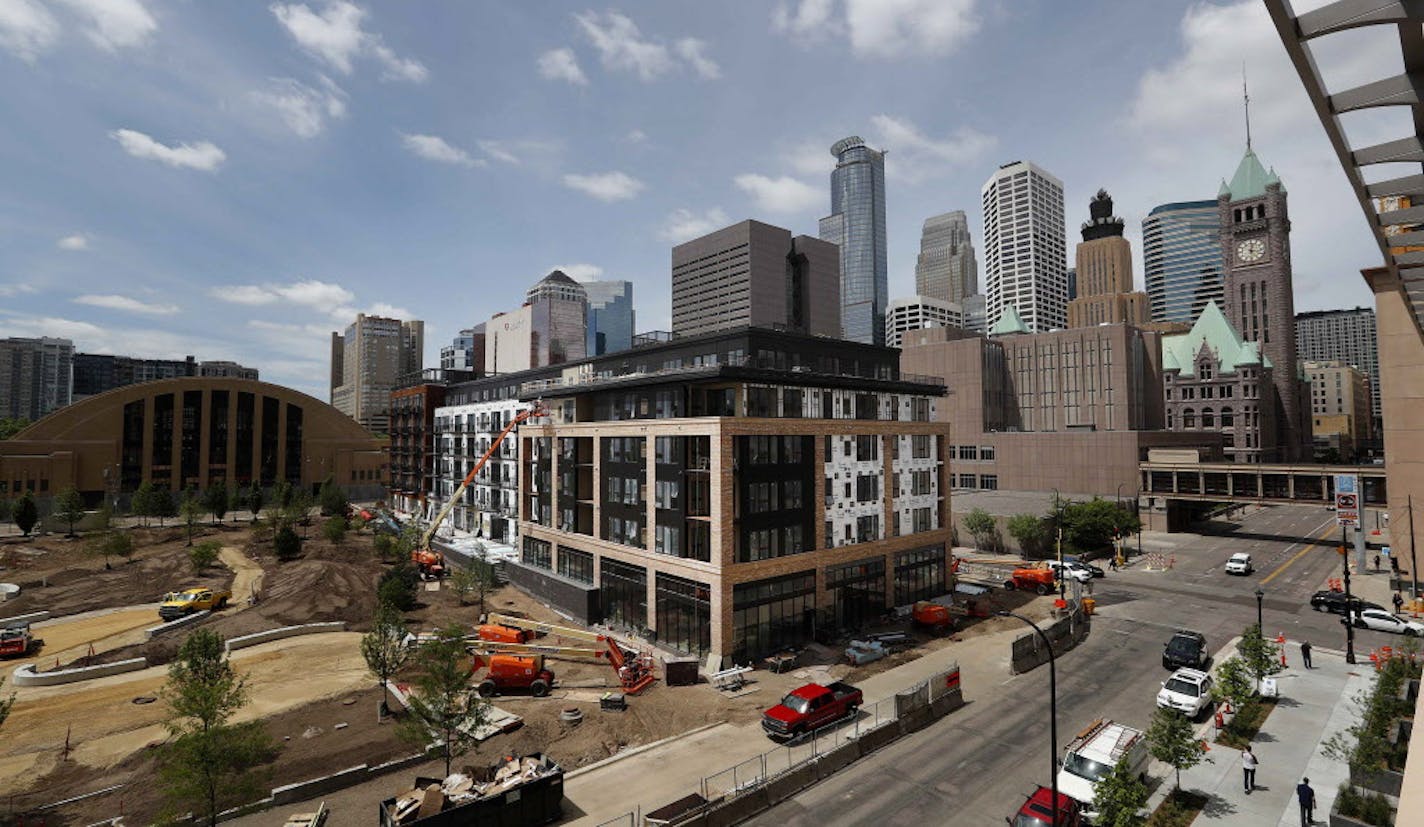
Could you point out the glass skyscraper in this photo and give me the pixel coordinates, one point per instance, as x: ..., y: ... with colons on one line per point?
x: 1181, y: 258
x: 610, y: 316
x: 857, y: 225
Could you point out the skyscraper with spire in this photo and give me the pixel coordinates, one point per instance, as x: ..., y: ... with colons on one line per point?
x: 857, y: 225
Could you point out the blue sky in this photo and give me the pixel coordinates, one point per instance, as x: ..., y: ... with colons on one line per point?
x: 236, y: 180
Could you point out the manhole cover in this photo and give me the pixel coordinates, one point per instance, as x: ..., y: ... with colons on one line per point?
x: 144, y: 699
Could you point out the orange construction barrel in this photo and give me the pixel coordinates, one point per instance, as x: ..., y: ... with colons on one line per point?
x: 1088, y: 605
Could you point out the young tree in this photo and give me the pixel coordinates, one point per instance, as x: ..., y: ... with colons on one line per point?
x: 1118, y: 796
x: 10, y: 427
x: 1234, y: 683
x: 385, y: 651
x: 192, y: 511
x: 397, y: 587
x: 141, y: 504
x: 1088, y: 526
x: 215, y: 499
x: 444, y: 704
x: 163, y: 504
x: 69, y: 506
x: 1030, y: 533
x: 112, y: 544
x: 332, y: 498
x: 236, y: 500
x: 1262, y: 656
x: 282, y: 494
x: 980, y: 524
x: 210, y: 762
x: 1172, y: 740
x: 254, y: 499
x: 204, y: 554
x: 334, y: 529
x: 286, y: 544
x: 26, y: 514
x: 385, y: 546
x: 7, y: 509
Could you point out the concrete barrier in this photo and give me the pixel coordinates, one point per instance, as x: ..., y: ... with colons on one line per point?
x: 876, y: 738
x: 303, y: 790
x: 945, y: 704
x: 738, y: 809
x: 32, y: 617
x: 186, y: 620
x: 285, y: 632
x: 837, y: 759
x: 916, y: 720
x: 790, y: 783
x: 27, y: 676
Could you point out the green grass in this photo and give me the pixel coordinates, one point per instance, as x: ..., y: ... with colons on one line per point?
x: 1246, y: 723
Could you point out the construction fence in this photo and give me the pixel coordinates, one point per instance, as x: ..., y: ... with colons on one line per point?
x: 756, y: 784
x: 1063, y: 634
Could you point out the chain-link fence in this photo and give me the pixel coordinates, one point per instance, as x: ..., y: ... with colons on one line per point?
x: 631, y: 819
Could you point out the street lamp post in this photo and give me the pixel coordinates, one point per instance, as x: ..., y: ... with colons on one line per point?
x: 1062, y: 581
x: 1349, y: 601
x: 1260, y: 596
x: 1052, y: 709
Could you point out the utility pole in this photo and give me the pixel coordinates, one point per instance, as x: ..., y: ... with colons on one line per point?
x: 1349, y: 602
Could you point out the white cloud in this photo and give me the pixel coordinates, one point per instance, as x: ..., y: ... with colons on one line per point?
x: 896, y: 28
x: 579, y: 272
x: 605, y: 186
x: 335, y: 36
x: 498, y: 150
x: 810, y: 157
x: 435, y: 148
x: 114, y: 24
x: 318, y: 295
x: 809, y: 18
x: 780, y: 195
x: 683, y: 225
x: 917, y: 155
x: 304, y: 110
x: 561, y: 64
x: 389, y: 310
x: 635, y: 136
x: 694, y: 52
x: 113, y: 302
x: 202, y: 155
x: 148, y: 342
x: 77, y: 241
x: 7, y: 290
x: 26, y: 28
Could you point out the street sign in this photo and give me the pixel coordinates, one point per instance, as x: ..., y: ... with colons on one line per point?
x: 1347, y: 500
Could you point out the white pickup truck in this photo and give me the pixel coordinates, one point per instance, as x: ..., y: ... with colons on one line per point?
x: 1092, y: 754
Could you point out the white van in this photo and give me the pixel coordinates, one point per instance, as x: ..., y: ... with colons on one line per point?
x: 1094, y: 752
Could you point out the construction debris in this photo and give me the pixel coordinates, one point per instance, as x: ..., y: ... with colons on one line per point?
x: 480, y: 794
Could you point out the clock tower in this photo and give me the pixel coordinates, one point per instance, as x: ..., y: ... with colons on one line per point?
x: 1259, y: 298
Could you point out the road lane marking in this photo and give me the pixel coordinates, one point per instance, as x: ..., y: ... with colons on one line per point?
x: 1320, y: 533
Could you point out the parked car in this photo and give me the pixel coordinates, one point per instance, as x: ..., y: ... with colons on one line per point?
x: 1240, y: 563
x: 1093, y: 753
x: 1188, y: 691
x: 1333, y: 601
x: 1096, y: 571
x: 811, y: 707
x: 1186, y: 648
x: 1037, y: 811
x: 1070, y: 571
x: 1382, y: 621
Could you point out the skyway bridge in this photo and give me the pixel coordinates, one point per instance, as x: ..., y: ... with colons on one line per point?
x: 1173, y: 495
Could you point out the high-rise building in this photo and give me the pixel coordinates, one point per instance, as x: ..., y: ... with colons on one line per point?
x: 1181, y: 259
x: 1260, y: 297
x: 227, y: 370
x: 466, y: 352
x: 857, y: 225
x: 550, y: 329
x: 611, y: 319
x: 375, y: 352
x: 1102, y: 278
x: 976, y: 313
x: 1217, y: 382
x: 1339, y: 407
x: 946, y: 269
x: 1347, y: 335
x: 916, y: 312
x: 36, y: 376
x: 96, y: 373
x: 1024, y: 253
x: 756, y: 275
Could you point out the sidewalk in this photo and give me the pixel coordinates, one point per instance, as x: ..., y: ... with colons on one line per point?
x: 1313, y: 705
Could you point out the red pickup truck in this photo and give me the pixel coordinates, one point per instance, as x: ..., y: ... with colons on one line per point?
x: 811, y: 707
x: 1037, y: 811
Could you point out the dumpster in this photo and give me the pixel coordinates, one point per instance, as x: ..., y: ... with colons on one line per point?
x: 520, y: 792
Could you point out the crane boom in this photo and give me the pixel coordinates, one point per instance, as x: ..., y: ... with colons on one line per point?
x: 537, y: 410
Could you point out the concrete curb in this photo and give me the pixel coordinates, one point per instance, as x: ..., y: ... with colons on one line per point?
x: 27, y: 676
x: 255, y: 638
x: 629, y: 753
x: 32, y: 617
x: 186, y: 620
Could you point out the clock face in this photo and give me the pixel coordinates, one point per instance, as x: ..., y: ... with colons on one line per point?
x: 1251, y: 250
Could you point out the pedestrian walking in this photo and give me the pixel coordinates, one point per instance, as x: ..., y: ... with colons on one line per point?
x: 1305, y: 653
x: 1307, y: 802
x: 1248, y: 769
x: 1112, y: 562
x: 1376, y: 564
x: 1398, y: 602
x: 1394, y: 565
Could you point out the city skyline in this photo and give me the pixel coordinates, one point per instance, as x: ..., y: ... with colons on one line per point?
x: 270, y: 109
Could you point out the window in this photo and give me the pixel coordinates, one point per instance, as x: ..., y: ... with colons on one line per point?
x: 920, y: 446
x: 867, y: 488
x: 576, y: 565
x: 867, y: 448
x: 772, y: 614
x: 986, y: 453
x: 867, y: 529
x: 665, y: 493
x: 667, y: 540
x: 922, y: 519
x: 623, y: 590
x: 920, y: 483
x: 791, y: 402
x: 684, y: 611
x: 968, y: 452
x: 919, y: 575
x: 989, y: 482
x: 537, y: 553
x: 920, y: 410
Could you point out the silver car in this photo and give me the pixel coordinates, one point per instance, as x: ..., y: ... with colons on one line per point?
x: 1382, y: 621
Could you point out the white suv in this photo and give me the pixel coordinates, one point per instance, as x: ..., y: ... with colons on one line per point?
x: 1069, y: 570
x: 1188, y: 691
x: 1240, y: 563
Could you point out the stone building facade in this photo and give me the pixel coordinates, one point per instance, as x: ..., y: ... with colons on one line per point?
x: 1214, y: 382
x: 1103, y: 272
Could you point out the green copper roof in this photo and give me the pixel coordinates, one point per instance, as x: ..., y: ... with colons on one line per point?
x: 1225, y: 190
x: 1009, y: 322
x: 1215, y: 333
x: 1251, y: 178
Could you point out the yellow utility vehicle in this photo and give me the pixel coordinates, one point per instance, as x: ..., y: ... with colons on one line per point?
x: 181, y: 604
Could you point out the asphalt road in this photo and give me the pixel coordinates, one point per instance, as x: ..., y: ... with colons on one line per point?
x: 975, y: 766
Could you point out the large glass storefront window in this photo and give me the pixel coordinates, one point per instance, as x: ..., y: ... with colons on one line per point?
x: 624, y: 592
x: 576, y: 565
x: 162, y: 460
x: 684, y: 614
x: 191, y: 437
x: 132, y: 458
x: 246, y: 432
x: 217, y: 437
x: 774, y: 614
x: 857, y: 592
x: 294, y: 444
x: 537, y: 553
x: 919, y: 574
x: 270, y: 408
